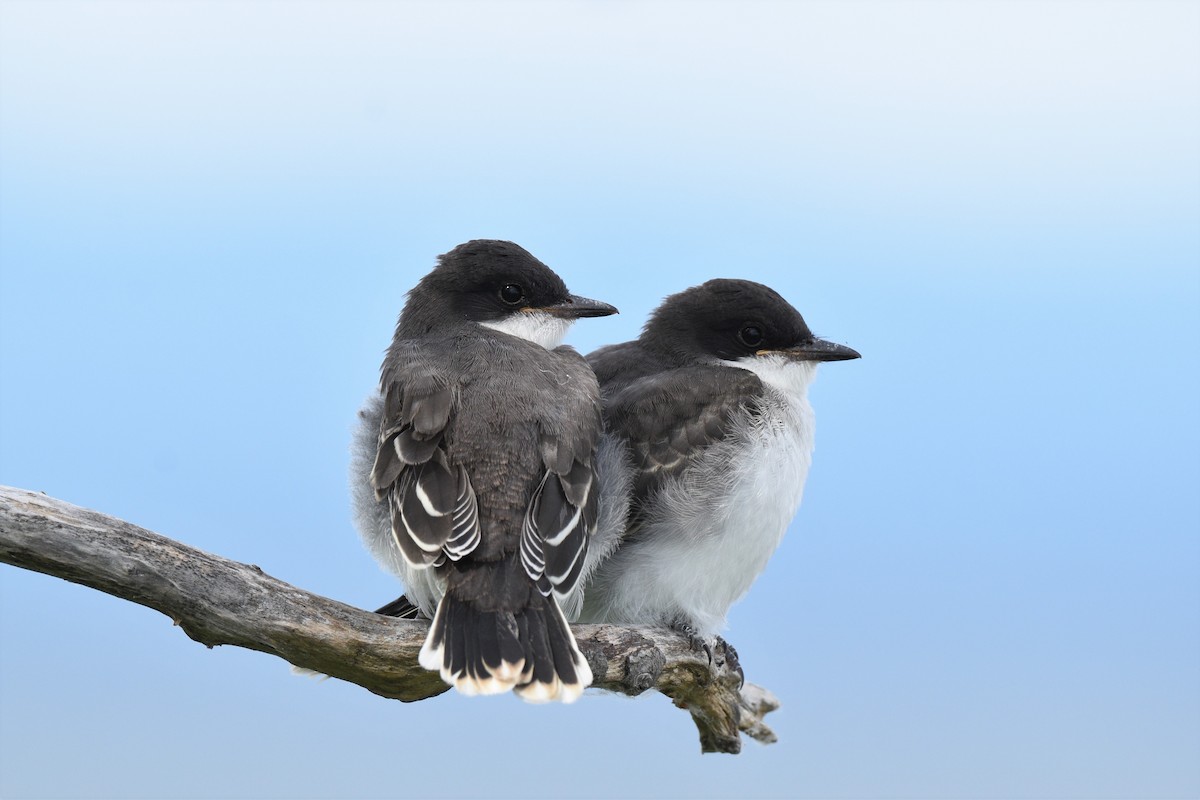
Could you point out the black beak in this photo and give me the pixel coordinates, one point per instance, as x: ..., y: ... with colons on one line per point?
x: 820, y: 350
x: 575, y: 307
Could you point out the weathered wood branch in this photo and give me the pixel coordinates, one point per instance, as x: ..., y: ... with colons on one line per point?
x: 217, y: 601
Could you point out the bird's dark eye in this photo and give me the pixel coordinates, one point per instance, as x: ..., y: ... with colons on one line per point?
x: 751, y: 336
x: 512, y: 294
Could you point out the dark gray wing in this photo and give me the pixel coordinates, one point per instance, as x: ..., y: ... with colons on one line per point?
x: 670, y: 418
x: 562, y: 512
x: 433, y: 509
x: 401, y: 608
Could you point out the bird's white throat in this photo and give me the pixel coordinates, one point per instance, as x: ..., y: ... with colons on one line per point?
x: 786, y: 375
x: 538, y: 327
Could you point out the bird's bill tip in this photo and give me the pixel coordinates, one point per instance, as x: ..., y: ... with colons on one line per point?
x: 819, y: 350
x: 575, y: 307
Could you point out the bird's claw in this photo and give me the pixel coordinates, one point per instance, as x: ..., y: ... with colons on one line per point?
x: 695, y: 640
x: 731, y: 660
x: 719, y: 652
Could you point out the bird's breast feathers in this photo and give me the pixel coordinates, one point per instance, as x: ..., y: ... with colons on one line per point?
x: 713, y: 529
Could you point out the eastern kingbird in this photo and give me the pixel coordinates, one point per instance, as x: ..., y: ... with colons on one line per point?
x: 710, y: 404
x: 473, y: 470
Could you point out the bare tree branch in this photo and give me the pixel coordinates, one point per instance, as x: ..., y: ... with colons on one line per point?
x: 217, y: 601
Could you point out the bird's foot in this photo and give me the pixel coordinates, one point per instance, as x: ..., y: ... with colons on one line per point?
x: 695, y: 640
x: 731, y: 660
x: 720, y: 652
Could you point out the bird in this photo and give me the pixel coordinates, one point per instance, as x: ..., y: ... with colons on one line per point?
x: 709, y: 410
x: 472, y: 469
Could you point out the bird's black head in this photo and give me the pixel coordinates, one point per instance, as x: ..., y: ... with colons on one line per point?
x: 730, y: 320
x: 488, y: 281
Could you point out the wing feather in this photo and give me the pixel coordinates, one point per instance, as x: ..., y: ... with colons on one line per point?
x: 562, y: 511
x: 668, y: 419
x: 434, y: 512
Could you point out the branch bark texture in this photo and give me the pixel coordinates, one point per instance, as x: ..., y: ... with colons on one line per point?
x: 218, y: 601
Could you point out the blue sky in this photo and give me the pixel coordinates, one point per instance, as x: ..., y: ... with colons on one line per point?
x: 209, y: 214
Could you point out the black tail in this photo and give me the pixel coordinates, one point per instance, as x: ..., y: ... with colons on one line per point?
x: 530, y: 651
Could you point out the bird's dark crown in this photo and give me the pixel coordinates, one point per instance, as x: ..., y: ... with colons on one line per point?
x: 725, y: 318
x: 482, y: 280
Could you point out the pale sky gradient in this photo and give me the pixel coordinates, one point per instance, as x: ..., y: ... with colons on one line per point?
x: 210, y: 212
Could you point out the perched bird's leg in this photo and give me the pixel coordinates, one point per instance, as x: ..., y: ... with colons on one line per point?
x: 694, y: 638
x: 719, y: 652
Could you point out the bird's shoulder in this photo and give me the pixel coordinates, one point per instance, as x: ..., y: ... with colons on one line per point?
x: 573, y: 363
x: 670, y: 419
x: 416, y: 361
x: 652, y: 405
x: 616, y: 365
x: 463, y: 356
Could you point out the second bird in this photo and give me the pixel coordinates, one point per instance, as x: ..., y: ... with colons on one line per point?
x: 710, y: 405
